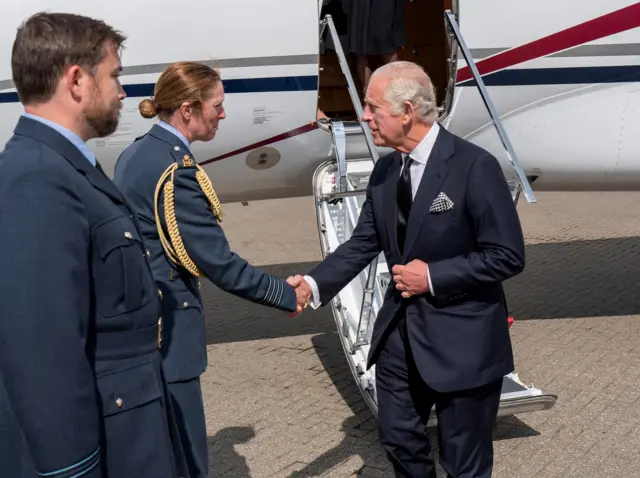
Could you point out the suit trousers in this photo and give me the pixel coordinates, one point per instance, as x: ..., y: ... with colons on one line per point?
x: 465, y: 418
x: 189, y: 411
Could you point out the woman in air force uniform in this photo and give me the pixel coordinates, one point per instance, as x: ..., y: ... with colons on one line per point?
x: 180, y: 220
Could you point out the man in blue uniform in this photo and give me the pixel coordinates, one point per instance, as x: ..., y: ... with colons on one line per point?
x: 82, y: 392
x: 180, y: 221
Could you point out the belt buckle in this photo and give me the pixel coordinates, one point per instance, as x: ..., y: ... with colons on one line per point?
x: 160, y: 332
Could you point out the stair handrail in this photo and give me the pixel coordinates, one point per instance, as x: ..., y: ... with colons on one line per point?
x: 495, y: 118
x: 353, y: 92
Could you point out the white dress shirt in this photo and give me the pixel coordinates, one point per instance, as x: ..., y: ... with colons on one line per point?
x: 419, y: 155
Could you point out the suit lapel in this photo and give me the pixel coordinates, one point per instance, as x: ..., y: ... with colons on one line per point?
x: 435, y: 172
x: 391, y: 201
x: 47, y: 135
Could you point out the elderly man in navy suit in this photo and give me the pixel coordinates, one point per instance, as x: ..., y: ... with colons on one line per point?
x: 82, y: 390
x: 441, y: 210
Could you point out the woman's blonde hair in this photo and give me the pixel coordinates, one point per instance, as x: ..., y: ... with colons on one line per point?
x: 179, y: 82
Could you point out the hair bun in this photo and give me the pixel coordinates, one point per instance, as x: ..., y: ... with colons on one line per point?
x: 148, y: 108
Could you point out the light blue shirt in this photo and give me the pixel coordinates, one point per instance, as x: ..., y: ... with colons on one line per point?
x: 177, y: 133
x: 70, y: 135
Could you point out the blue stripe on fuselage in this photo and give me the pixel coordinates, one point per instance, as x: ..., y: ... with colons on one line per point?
x: 244, y: 85
x: 509, y: 77
x: 560, y: 76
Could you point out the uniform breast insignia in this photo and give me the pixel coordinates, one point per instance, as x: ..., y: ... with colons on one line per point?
x: 173, y: 246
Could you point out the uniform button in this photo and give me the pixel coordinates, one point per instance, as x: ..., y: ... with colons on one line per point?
x: 177, y: 148
x: 185, y: 305
x: 128, y: 235
x: 148, y: 253
x: 119, y: 402
x: 160, y: 294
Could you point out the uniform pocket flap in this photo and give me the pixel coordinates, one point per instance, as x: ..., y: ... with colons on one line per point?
x: 113, y: 233
x: 124, y: 389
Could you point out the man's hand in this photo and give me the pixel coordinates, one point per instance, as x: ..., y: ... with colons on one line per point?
x: 303, y: 293
x: 411, y: 279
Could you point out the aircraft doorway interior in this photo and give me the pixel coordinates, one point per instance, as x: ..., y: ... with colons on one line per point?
x: 426, y: 45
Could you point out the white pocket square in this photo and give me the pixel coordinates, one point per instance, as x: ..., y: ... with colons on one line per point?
x: 441, y: 203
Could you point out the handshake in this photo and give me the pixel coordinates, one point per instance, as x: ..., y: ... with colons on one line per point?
x: 411, y: 280
x: 304, y: 293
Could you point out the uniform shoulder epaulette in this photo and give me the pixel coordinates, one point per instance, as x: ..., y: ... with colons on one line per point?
x: 182, y: 159
x: 186, y: 162
x: 174, y: 247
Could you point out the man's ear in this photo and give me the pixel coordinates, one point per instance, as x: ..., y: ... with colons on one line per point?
x: 407, y: 112
x: 74, y: 81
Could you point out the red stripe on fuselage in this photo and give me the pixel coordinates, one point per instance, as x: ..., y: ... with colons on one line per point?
x: 610, y: 24
x: 289, y: 134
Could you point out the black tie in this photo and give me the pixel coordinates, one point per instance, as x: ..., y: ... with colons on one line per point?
x: 99, y: 168
x: 404, y: 201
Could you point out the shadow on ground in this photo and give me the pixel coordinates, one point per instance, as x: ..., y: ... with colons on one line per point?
x: 221, y: 445
x: 586, y: 278
x: 561, y: 280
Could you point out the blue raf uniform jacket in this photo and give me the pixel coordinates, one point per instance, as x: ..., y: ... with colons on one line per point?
x: 82, y: 392
x: 137, y: 173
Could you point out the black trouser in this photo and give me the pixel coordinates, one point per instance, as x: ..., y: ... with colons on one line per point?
x: 189, y: 410
x: 465, y: 418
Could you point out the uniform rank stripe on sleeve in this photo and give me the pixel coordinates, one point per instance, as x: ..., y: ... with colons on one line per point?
x: 265, y: 299
x: 90, y: 466
x: 280, y: 292
x: 277, y: 297
x: 274, y: 293
x: 76, y: 471
x: 272, y: 290
x: 266, y: 294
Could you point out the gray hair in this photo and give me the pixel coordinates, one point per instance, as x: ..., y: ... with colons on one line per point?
x: 409, y: 82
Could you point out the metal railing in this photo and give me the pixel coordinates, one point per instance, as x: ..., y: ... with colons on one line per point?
x: 353, y: 92
x: 523, y: 182
x: 366, y: 308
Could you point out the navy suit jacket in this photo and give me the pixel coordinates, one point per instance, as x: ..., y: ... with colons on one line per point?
x: 137, y: 173
x: 459, y: 337
x: 82, y: 391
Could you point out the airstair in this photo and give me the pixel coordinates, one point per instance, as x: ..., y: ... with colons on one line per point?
x: 339, y: 187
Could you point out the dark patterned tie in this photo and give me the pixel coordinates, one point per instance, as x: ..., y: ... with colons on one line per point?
x: 405, y: 198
